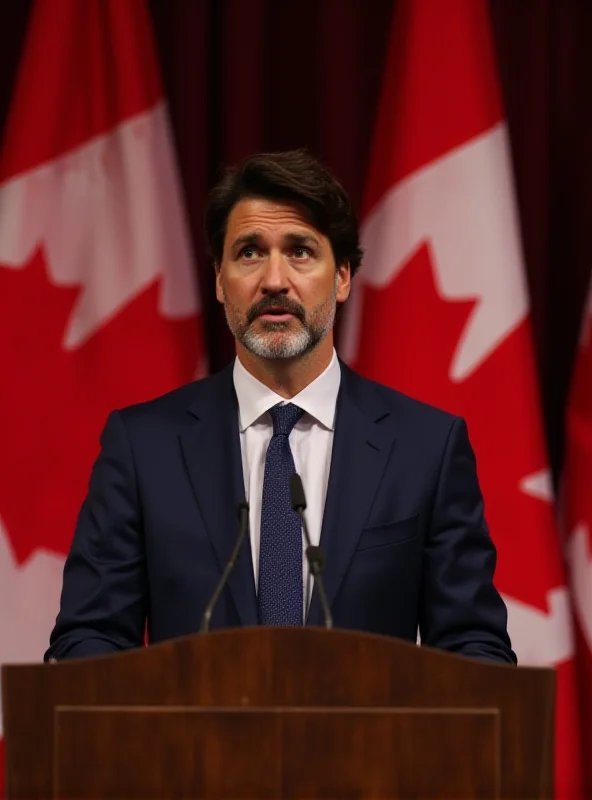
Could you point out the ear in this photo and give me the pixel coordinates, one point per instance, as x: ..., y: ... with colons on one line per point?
x: 343, y: 281
x: 219, y: 289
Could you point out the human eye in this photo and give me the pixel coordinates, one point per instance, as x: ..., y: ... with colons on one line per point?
x: 248, y: 253
x: 301, y: 253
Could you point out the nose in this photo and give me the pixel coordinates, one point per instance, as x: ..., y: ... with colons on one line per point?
x: 275, y: 274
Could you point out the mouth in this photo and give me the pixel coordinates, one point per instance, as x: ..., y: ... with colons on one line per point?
x: 276, y: 315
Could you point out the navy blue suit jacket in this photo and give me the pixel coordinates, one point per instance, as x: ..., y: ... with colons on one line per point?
x: 404, y: 536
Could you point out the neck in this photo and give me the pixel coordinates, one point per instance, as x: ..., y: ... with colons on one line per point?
x: 288, y: 376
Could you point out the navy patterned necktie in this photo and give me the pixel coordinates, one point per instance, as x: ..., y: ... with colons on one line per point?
x: 280, y: 595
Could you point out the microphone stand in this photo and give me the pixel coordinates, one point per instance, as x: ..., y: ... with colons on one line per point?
x: 243, y: 514
x: 314, y: 553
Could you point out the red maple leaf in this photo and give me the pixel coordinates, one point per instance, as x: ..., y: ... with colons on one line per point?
x: 54, y: 403
x: 409, y: 334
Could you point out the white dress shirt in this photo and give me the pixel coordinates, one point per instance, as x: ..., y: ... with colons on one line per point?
x: 311, y: 443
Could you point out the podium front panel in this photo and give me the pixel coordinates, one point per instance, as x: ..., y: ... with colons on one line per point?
x: 185, y: 752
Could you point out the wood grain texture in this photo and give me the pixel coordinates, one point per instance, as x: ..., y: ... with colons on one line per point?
x: 187, y: 753
x: 286, y: 668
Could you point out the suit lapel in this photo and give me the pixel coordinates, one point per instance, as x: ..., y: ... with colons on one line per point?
x: 363, y: 440
x: 211, y: 448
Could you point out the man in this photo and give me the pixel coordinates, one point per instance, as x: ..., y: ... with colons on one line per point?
x: 391, y: 485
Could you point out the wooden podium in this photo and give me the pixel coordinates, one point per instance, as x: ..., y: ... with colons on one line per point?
x: 278, y: 713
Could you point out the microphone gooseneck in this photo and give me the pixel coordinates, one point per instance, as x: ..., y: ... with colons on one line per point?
x: 314, y: 553
x: 243, y: 515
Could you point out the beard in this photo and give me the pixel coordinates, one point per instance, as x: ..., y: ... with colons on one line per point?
x: 290, y: 339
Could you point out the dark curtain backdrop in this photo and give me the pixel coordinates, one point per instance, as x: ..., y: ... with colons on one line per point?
x: 248, y: 75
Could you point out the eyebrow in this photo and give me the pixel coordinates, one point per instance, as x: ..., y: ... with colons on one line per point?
x: 254, y: 238
x: 301, y: 238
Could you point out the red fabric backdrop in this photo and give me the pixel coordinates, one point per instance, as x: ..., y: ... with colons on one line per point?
x: 246, y: 75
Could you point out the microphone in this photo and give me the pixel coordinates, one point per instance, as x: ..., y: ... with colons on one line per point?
x: 314, y: 554
x: 243, y: 515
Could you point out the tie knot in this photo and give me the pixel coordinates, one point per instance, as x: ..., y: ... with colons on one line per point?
x: 284, y: 418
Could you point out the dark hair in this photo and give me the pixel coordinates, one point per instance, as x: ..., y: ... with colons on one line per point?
x: 294, y: 176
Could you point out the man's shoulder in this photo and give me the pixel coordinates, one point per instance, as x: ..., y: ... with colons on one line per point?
x: 406, y: 409
x: 197, y: 394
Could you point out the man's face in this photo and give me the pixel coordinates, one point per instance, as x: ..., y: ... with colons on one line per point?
x: 278, y: 280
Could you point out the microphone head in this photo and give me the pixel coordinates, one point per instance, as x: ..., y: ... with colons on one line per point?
x: 297, y: 493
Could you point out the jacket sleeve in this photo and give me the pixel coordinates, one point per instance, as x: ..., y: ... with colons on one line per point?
x: 461, y: 609
x: 104, y: 594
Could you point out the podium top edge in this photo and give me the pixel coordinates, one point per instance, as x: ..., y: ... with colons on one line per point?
x: 278, y: 636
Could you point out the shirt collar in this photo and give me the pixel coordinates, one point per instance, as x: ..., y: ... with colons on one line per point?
x: 318, y: 399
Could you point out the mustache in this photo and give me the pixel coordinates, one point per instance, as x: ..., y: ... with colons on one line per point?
x: 276, y: 301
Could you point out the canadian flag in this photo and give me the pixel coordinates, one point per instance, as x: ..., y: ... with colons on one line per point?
x: 98, y: 301
x: 577, y: 511
x: 440, y: 310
